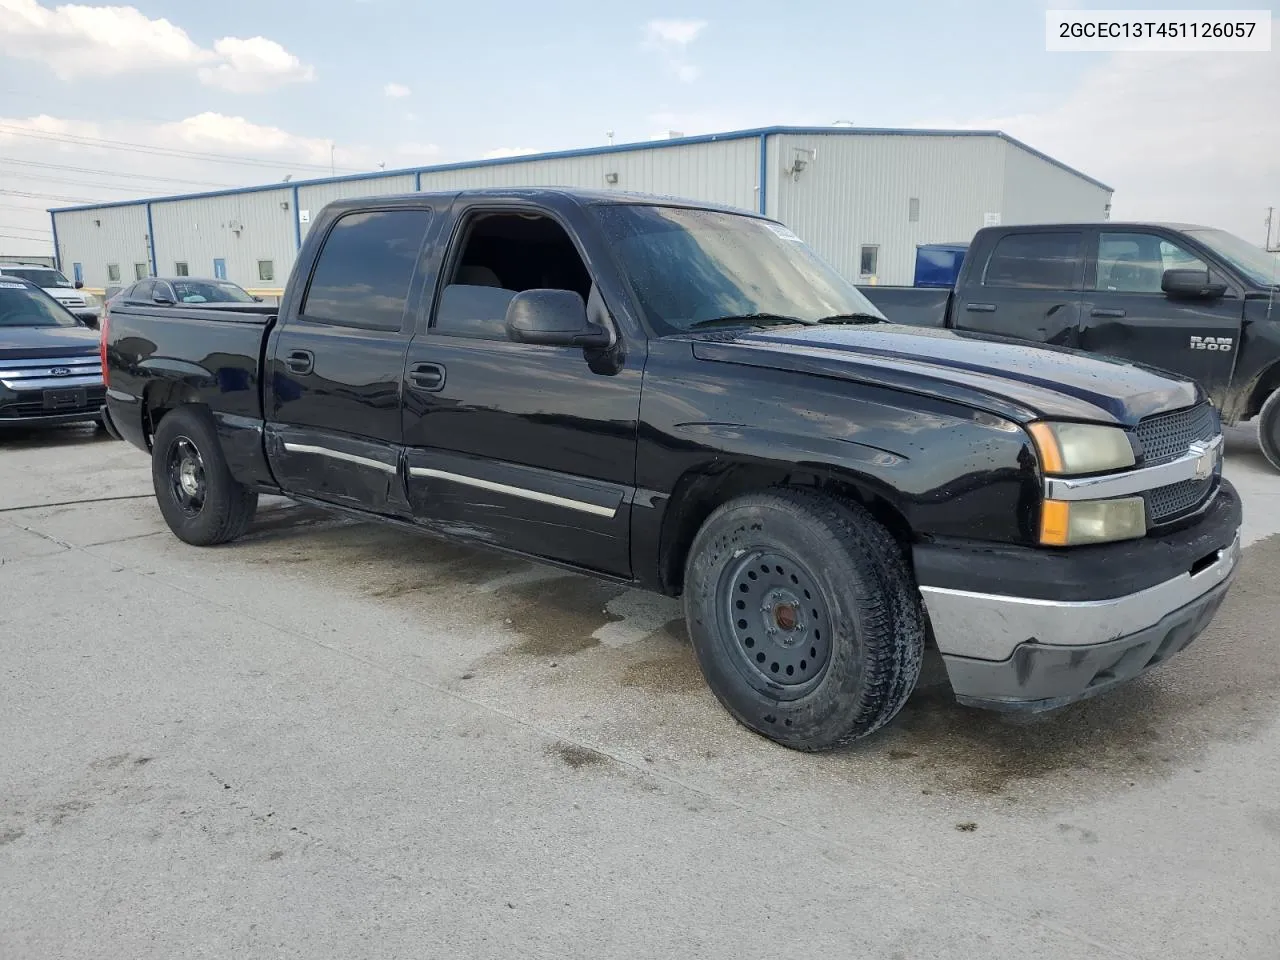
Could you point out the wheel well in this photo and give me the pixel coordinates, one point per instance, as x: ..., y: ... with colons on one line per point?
x: 1266, y: 385
x: 162, y: 398
x: 699, y: 492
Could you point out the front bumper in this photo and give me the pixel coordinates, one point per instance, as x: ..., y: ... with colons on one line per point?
x: 1020, y: 652
x: 30, y: 408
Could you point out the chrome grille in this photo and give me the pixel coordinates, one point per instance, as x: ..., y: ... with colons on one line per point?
x: 51, y: 373
x: 1167, y: 436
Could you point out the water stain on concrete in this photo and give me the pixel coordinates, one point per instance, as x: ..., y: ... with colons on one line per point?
x: 558, y: 617
x: 669, y: 664
x: 10, y: 834
x: 576, y: 757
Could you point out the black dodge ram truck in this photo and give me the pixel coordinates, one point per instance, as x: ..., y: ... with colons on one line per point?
x: 688, y: 399
x: 1194, y: 300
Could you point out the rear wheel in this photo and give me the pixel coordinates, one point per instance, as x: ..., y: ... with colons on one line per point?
x: 1269, y: 429
x: 804, y: 618
x: 200, y: 500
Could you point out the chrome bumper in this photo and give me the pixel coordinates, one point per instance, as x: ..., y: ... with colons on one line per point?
x: 1018, y: 653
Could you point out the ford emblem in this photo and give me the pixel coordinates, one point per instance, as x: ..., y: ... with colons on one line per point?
x: 60, y: 372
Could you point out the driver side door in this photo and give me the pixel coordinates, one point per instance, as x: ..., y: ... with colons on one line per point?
x: 1127, y: 315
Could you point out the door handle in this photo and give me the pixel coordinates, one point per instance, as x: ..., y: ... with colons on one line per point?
x: 1113, y: 314
x: 980, y: 307
x: 300, y: 361
x: 427, y: 376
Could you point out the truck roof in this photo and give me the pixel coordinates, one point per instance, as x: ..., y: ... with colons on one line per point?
x: 1106, y: 225
x: 581, y: 196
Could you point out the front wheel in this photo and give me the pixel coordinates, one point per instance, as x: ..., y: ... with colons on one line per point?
x: 1269, y: 429
x: 804, y: 618
x: 200, y: 500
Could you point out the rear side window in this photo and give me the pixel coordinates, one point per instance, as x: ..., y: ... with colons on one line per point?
x: 363, y: 273
x: 1041, y: 261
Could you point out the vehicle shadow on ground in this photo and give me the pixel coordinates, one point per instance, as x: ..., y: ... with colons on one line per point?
x: 29, y: 438
x: 596, y: 641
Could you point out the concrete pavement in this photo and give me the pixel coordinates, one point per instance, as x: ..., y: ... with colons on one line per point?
x: 332, y: 739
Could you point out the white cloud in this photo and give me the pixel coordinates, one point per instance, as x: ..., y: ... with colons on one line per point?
x: 679, y: 33
x: 501, y: 152
x: 396, y: 90
x: 1179, y: 136
x: 412, y: 153
x: 253, y: 66
x: 77, y: 41
x: 671, y: 39
x: 217, y: 133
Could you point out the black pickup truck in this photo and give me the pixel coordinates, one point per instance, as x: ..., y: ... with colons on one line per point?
x: 1194, y: 300
x: 688, y: 399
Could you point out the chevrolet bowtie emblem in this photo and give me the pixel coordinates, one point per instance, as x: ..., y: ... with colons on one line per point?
x: 1204, y: 455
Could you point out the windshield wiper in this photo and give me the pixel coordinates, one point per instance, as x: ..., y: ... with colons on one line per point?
x: 853, y: 318
x: 747, y: 320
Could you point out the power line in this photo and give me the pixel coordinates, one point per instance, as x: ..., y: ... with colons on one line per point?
x: 112, y: 173
x: 126, y: 187
x: 9, y: 236
x: 18, y: 226
x: 127, y: 146
x: 44, y: 196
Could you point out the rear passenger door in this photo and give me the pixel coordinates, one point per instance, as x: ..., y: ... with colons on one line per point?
x: 1030, y: 288
x: 334, y: 367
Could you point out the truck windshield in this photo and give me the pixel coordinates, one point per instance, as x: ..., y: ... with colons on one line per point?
x: 1254, y: 262
x: 693, y: 267
x: 209, y: 291
x: 45, y: 277
x: 21, y: 306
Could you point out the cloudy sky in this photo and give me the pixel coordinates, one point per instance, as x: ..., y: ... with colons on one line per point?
x: 114, y: 102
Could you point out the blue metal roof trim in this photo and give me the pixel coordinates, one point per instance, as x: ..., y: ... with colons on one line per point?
x: 594, y: 151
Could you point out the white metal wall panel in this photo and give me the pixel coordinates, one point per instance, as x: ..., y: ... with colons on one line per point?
x: 1037, y: 191
x: 856, y: 190
x: 239, y: 228
x: 95, y: 238
x: 722, y: 172
x: 313, y: 198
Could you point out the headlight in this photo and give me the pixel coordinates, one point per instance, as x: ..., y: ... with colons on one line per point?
x: 1073, y: 448
x: 1070, y: 523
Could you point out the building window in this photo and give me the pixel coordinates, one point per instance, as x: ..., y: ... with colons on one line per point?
x: 266, y: 270
x: 139, y: 271
x: 913, y: 209
x: 868, y: 260
x: 180, y: 269
x: 113, y: 272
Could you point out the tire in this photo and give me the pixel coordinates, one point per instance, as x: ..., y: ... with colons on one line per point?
x: 200, y: 500
x: 1269, y: 429
x: 834, y: 631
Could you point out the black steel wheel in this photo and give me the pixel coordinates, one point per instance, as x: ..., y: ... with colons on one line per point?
x: 186, y: 476
x: 804, y: 617
x: 201, y: 501
x: 775, y: 621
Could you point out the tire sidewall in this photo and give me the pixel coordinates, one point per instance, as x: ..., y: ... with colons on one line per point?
x: 1269, y: 429
x: 848, y: 586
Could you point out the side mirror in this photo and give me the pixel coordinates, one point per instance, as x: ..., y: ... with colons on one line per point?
x: 161, y: 299
x: 79, y: 284
x: 1191, y: 284
x: 257, y: 299
x: 553, y: 318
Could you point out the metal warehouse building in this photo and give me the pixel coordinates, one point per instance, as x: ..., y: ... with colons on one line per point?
x: 862, y: 198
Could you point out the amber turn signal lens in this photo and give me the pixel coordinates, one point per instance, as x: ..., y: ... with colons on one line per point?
x: 1047, y: 444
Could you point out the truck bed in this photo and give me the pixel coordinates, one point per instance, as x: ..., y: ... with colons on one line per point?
x: 913, y: 306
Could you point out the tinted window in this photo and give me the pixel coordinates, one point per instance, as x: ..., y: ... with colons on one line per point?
x: 23, y: 306
x: 209, y: 291
x: 41, y: 276
x: 1136, y: 262
x: 1045, y: 261
x: 142, y: 291
x: 363, y: 273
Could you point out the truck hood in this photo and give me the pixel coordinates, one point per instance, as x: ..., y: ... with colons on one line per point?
x: 1009, y: 378
x: 19, y: 343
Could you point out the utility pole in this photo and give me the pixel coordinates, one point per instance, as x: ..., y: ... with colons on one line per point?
x: 332, y: 169
x: 1271, y: 212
